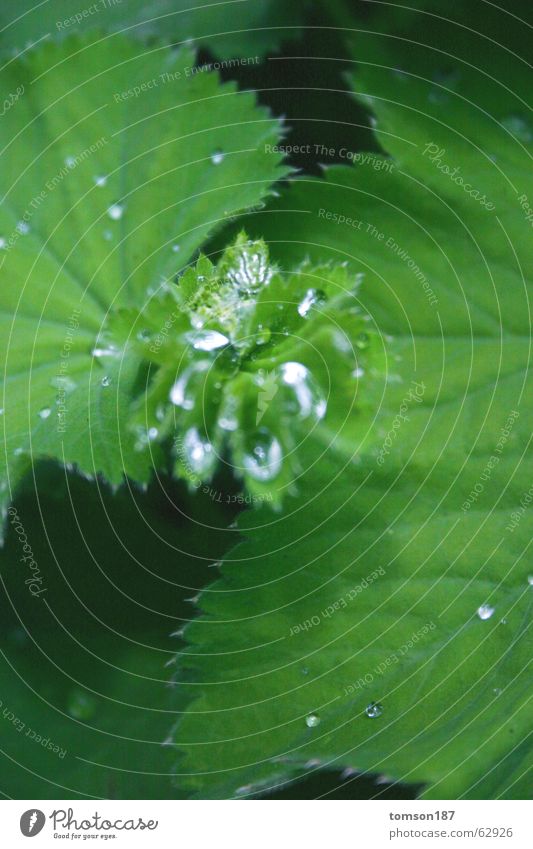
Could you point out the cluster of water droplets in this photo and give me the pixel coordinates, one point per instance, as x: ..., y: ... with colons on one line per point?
x: 219, y: 383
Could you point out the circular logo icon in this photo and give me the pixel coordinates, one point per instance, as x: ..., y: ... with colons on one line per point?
x: 32, y: 822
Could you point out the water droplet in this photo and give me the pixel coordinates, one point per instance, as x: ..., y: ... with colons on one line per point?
x: 64, y: 383
x: 244, y: 790
x: 518, y: 127
x: 44, y: 413
x: 108, y: 235
x: 208, y: 340
x: 23, y: 227
x: 175, y: 248
x: 312, y: 298
x: 349, y: 772
x: 312, y: 720
x: 373, y: 710
x: 144, y: 437
x: 81, y: 705
x: 70, y: 162
x: 530, y: 580
x: 217, y: 157
x: 228, y: 423
x: 305, y: 670
x: 497, y: 691
x: 106, y: 381
x: 2, y: 243
x: 198, y: 452
x: 358, y: 372
x: 362, y: 340
x: 309, y: 399
x: 485, y: 611
x: 264, y: 460
x: 111, y: 351
x: 183, y: 392
x: 115, y: 211
x: 262, y: 336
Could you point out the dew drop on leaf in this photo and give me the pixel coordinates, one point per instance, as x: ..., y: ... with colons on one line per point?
x: 106, y: 381
x: 485, y: 611
x: 373, y: 710
x: 349, y: 772
x: 263, y: 462
x: 64, y: 383
x: 175, y: 248
x: 228, y: 422
x: 100, y: 181
x: 309, y: 399
x: 183, y: 392
x: 209, y: 340
x: 312, y: 720
x: 262, y: 336
x: 244, y: 790
x: 44, y: 413
x: 23, y: 227
x: 198, y: 452
x: 104, y: 352
x: 362, y: 340
x: 217, y: 157
x: 115, y: 211
x: 312, y: 298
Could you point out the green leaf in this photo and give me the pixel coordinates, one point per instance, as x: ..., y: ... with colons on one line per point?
x: 233, y: 29
x: 382, y: 621
x: 116, y: 167
x: 85, y: 699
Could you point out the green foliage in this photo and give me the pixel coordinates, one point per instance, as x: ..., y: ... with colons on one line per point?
x: 115, y: 192
x: 85, y: 664
x: 240, y: 363
x: 354, y: 369
x: 232, y: 29
x: 382, y: 621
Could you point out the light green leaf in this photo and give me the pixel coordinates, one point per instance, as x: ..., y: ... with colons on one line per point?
x: 233, y: 29
x: 382, y: 622
x: 116, y: 166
